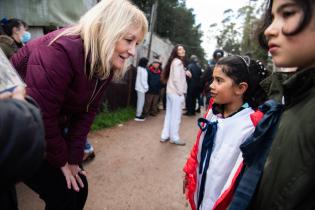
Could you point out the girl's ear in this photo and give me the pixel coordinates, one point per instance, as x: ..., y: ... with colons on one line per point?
x: 241, y: 88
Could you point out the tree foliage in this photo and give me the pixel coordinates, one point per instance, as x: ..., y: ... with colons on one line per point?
x: 239, y: 38
x: 177, y: 23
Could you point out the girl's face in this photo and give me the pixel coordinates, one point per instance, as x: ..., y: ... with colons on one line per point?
x: 126, y: 47
x: 181, y: 52
x: 290, y: 51
x: 223, y: 89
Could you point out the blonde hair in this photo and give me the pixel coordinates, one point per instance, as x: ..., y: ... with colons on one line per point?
x: 101, y: 27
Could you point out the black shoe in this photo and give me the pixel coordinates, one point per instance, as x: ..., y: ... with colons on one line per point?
x: 141, y: 118
x: 198, y: 110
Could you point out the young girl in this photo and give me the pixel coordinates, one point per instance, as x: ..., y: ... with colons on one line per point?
x: 235, y: 93
x: 288, y: 176
x: 174, y: 74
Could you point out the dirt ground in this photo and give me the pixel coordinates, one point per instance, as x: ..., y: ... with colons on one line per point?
x: 132, y: 169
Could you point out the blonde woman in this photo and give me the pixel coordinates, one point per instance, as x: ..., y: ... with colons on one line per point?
x: 174, y: 74
x: 67, y: 72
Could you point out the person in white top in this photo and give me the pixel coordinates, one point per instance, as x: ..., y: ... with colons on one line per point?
x: 174, y: 74
x: 141, y: 87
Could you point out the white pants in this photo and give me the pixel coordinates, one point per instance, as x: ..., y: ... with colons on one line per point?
x: 173, y: 116
x: 140, y: 103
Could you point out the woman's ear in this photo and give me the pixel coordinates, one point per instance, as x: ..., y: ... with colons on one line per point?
x: 241, y: 88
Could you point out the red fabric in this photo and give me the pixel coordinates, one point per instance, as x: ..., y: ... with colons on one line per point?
x: 191, y: 166
x: 154, y: 71
x: 256, y: 117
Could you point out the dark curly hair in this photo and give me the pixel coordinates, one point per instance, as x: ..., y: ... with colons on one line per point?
x: 305, y: 5
x: 243, y: 69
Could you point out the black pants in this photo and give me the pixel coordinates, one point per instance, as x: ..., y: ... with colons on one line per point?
x: 8, y: 200
x: 192, y: 94
x: 50, y: 183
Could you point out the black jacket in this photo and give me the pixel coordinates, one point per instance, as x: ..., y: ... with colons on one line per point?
x: 21, y: 140
x: 195, y: 80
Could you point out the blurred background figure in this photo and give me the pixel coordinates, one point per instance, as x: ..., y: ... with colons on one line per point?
x: 193, y: 84
x: 174, y: 74
x: 141, y: 87
x: 153, y: 94
x: 14, y: 36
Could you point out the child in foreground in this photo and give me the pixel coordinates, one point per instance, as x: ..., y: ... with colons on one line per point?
x: 235, y: 93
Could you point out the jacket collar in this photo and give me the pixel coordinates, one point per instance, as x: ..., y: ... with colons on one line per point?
x: 296, y: 87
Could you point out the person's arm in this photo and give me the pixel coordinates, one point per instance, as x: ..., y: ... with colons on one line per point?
x: 21, y: 147
x: 177, y: 68
x: 144, y: 79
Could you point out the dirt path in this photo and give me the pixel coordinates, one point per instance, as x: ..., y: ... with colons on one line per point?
x: 132, y: 169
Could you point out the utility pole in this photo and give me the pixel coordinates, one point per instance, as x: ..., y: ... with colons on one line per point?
x: 152, y: 25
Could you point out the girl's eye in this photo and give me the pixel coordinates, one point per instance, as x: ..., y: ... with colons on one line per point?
x: 287, y: 14
x: 218, y: 80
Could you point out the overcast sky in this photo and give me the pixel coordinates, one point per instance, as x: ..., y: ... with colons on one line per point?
x: 211, y: 11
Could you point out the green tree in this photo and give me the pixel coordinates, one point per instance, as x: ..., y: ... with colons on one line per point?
x: 227, y: 36
x: 239, y: 40
x: 249, y: 43
x: 177, y: 23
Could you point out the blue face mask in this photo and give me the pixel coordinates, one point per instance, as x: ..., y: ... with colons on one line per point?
x: 26, y: 37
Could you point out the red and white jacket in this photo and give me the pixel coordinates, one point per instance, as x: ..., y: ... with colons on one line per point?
x: 192, y: 165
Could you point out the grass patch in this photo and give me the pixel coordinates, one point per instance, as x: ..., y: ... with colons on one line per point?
x: 108, y: 119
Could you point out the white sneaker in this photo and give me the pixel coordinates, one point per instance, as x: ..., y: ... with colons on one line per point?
x: 179, y: 143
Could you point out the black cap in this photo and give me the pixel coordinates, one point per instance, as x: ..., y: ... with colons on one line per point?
x: 218, y: 53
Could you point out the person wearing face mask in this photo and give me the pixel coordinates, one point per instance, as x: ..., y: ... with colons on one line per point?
x: 67, y: 72
x: 14, y: 37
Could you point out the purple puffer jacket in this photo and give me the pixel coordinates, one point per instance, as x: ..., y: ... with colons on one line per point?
x: 56, y: 79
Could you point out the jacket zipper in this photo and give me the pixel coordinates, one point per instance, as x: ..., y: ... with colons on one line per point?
x: 92, y: 97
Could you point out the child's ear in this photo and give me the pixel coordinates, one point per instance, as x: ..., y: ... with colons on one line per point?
x: 241, y: 89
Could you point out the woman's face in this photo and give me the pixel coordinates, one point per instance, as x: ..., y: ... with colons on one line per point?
x: 181, y: 52
x: 126, y: 47
x: 17, y: 33
x: 290, y: 51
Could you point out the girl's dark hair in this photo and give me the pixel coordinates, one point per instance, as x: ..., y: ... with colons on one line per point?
x: 243, y: 69
x: 166, y: 72
x: 143, y: 62
x: 306, y: 6
x: 8, y: 25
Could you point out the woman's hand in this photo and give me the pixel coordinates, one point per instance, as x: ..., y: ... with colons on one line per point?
x: 71, y: 173
x: 188, y: 74
x: 76, y: 170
